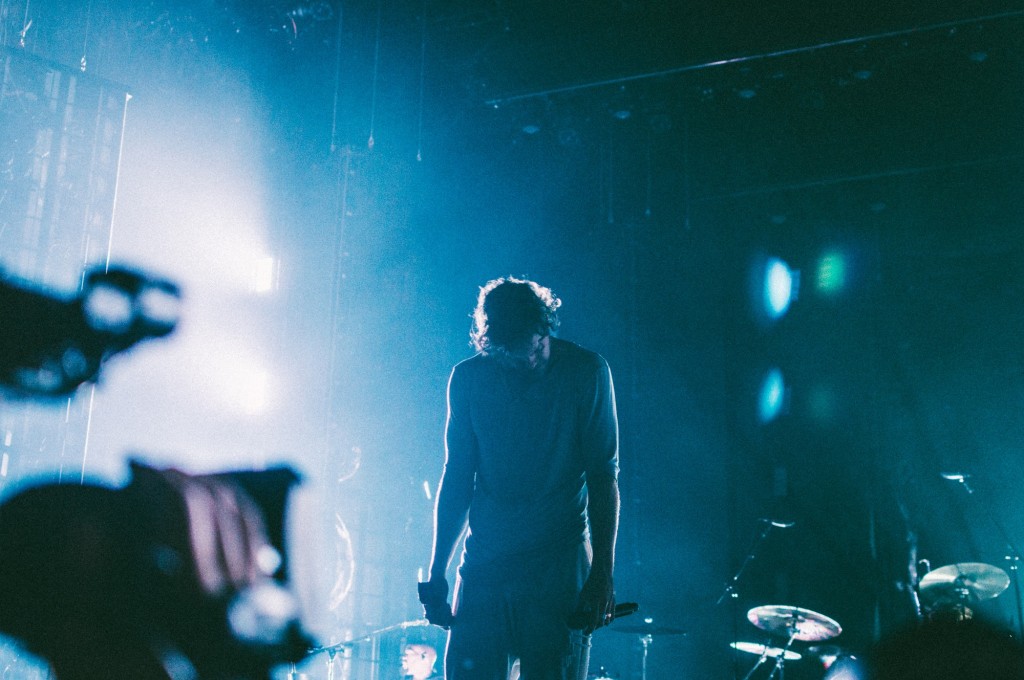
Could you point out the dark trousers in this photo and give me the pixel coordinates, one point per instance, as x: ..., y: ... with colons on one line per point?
x: 519, y: 611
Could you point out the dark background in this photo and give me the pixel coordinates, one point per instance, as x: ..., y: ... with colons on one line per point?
x: 640, y: 158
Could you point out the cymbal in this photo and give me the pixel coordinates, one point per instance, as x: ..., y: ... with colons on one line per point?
x: 415, y: 623
x: 646, y: 629
x: 970, y: 581
x: 800, y: 624
x: 773, y: 652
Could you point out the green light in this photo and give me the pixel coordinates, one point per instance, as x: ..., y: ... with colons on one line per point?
x: 831, y: 273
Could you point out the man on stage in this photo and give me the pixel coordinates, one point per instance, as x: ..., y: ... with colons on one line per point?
x: 531, y: 467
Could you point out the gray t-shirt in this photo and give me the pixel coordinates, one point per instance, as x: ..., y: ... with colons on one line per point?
x: 531, y: 438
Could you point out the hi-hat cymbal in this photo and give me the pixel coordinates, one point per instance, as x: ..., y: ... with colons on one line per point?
x: 762, y: 650
x: 646, y: 628
x: 415, y: 623
x: 966, y: 581
x: 800, y: 624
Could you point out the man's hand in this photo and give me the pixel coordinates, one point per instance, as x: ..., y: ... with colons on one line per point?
x: 434, y: 598
x: 596, y: 605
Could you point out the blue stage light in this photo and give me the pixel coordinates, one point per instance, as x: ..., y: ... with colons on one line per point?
x: 772, y: 395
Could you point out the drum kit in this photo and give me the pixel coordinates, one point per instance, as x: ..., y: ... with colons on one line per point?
x: 378, y: 655
x: 946, y: 593
x: 350, y: 653
x: 951, y: 591
x: 645, y: 631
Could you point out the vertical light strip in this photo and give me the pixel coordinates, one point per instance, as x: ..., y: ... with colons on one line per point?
x: 376, y: 71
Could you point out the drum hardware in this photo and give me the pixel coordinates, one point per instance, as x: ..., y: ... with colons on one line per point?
x: 964, y: 582
x: 729, y: 592
x: 827, y: 654
x: 346, y: 646
x: 765, y: 528
x: 648, y: 628
x: 369, y: 636
x: 765, y: 651
x: 581, y: 640
x: 846, y: 667
x: 795, y: 623
x: 1013, y: 554
x: 580, y: 654
x: 645, y: 632
x: 950, y: 591
x: 800, y: 624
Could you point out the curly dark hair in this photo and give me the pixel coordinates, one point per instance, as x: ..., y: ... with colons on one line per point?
x: 509, y: 311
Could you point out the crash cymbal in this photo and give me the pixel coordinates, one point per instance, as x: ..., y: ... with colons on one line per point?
x: 966, y: 581
x: 646, y: 628
x: 762, y: 650
x: 800, y: 624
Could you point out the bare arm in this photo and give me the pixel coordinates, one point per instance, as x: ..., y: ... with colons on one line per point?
x: 597, y: 599
x: 601, y: 441
x: 603, y: 511
x: 451, y: 507
x: 455, y: 492
x: 451, y: 510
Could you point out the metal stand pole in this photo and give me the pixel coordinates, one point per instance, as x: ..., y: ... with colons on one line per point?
x: 1013, y: 557
x: 645, y: 642
x: 781, y: 663
x: 730, y: 586
x: 760, y: 660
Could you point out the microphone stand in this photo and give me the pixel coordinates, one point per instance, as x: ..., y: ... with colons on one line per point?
x: 1013, y: 558
x: 730, y: 586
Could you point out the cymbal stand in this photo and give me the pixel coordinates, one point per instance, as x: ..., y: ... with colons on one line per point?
x: 645, y: 643
x: 780, y: 662
x: 330, y: 663
x: 1014, y: 559
x: 332, y: 651
x: 761, y: 659
x: 1014, y: 556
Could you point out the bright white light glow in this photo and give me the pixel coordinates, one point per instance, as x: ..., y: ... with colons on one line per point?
x: 780, y: 287
x: 233, y: 378
x: 264, y: 278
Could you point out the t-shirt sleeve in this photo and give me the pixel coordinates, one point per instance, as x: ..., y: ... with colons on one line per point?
x: 600, y: 425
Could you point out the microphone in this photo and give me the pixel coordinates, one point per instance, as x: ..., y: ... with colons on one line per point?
x: 778, y: 523
x: 625, y: 609
x: 578, y: 618
x: 960, y: 478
